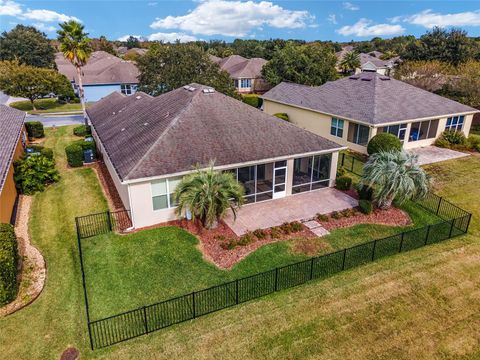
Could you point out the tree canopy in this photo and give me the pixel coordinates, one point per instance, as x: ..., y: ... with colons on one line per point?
x: 28, y: 46
x: 312, y: 64
x: 32, y: 82
x: 132, y: 42
x: 169, y: 66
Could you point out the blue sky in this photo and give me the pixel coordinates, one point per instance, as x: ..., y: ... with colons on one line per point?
x: 226, y: 19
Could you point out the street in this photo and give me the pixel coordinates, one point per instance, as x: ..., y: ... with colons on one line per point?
x: 56, y: 120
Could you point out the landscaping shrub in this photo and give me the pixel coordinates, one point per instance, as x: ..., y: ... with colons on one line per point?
x: 275, y: 232
x: 252, y: 100
x: 260, y: 234
x: 47, y: 152
x: 365, y: 206
x: 365, y: 193
x: 82, y: 130
x: 87, y: 145
x: 336, y: 215
x: 283, y: 116
x: 383, y: 142
x: 8, y: 264
x: 454, y: 137
x: 348, y: 213
x: 33, y: 173
x: 296, y: 226
x: 322, y: 217
x: 245, y: 239
x: 229, y: 244
x: 35, y: 129
x: 473, y: 142
x: 343, y: 183
x: 219, y: 237
x: 74, y: 155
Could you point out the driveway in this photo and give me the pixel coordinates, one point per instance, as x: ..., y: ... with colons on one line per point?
x: 433, y: 154
x: 304, y: 206
x: 57, y: 120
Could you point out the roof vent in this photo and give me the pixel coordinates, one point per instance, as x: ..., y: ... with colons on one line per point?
x: 208, y: 91
x: 366, y: 79
x: 384, y: 78
x: 189, y: 88
x: 145, y: 124
x: 354, y: 77
x: 113, y: 113
x: 122, y: 129
x: 138, y: 97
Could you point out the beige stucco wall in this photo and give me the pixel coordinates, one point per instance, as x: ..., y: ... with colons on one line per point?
x: 320, y: 124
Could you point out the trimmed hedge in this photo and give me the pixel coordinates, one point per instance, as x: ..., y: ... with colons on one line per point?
x: 74, y: 155
x: 47, y: 152
x: 283, y: 116
x: 82, y: 130
x: 383, y: 142
x: 35, y: 129
x: 365, y: 193
x: 8, y: 264
x: 252, y: 100
x: 365, y: 206
x: 343, y: 183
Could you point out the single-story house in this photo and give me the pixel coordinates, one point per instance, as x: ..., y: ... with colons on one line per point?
x: 246, y: 73
x: 103, y: 74
x: 370, y: 62
x: 352, y: 110
x: 149, y: 143
x: 12, y: 144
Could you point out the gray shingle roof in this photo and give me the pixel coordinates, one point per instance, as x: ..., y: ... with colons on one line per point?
x: 239, y: 67
x: 101, y: 68
x: 11, y: 125
x: 367, y: 97
x: 148, y: 136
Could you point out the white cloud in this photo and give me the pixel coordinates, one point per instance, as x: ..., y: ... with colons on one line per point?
x: 234, y: 18
x: 47, y: 16
x: 44, y: 27
x: 10, y: 8
x: 171, y: 37
x: 429, y: 19
x: 125, y: 37
x: 349, y: 6
x: 332, y: 18
x: 365, y: 27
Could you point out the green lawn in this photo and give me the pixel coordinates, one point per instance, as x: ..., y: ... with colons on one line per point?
x: 47, y: 106
x: 422, y: 304
x: 126, y: 272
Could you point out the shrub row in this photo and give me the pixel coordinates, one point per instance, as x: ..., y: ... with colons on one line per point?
x: 8, y: 264
x: 47, y: 152
x: 283, y: 116
x: 452, y: 139
x: 75, y: 150
x: 35, y: 129
x: 34, y: 172
x: 82, y: 130
x: 252, y: 100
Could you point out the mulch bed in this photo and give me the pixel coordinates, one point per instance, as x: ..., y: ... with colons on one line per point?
x: 392, y: 217
x: 211, y: 240
x: 108, y: 186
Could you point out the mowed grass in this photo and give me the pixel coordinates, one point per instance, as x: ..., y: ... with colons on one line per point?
x: 422, y: 304
x: 124, y: 272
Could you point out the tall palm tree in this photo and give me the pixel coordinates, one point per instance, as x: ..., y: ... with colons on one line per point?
x: 208, y: 194
x: 395, y: 175
x: 350, y: 62
x: 75, y: 46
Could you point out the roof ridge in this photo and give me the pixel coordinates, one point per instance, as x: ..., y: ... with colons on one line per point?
x: 162, y: 135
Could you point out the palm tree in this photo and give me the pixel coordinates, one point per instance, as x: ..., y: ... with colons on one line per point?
x: 350, y: 62
x: 208, y: 194
x: 75, y: 46
x: 395, y: 175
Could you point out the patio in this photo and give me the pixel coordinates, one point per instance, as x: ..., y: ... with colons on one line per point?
x: 304, y: 206
x: 433, y: 154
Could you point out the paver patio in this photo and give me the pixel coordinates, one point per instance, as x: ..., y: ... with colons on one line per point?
x: 297, y: 207
x: 433, y: 154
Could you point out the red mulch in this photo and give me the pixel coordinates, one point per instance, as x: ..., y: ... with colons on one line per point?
x: 211, y: 240
x: 392, y: 216
x: 351, y: 192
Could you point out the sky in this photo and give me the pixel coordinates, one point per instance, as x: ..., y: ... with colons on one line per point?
x: 188, y: 20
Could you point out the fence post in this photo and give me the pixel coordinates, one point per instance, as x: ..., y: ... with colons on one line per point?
x: 344, y: 255
x: 373, y: 251
x: 468, y: 222
x: 236, y: 291
x: 145, y: 319
x: 353, y: 162
x: 276, y: 279
x: 438, y: 207
x: 343, y: 159
x: 451, y: 229
x: 428, y: 233
x: 109, y: 221
x: 401, y: 243
x: 311, y: 269
x: 193, y: 303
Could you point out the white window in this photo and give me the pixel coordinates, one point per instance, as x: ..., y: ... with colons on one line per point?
x: 336, y: 128
x: 397, y: 130
x: 245, y: 83
x: 455, y: 123
x: 128, y: 89
x: 162, y: 193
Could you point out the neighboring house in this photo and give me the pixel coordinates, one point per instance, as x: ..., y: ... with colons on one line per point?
x: 370, y: 62
x: 352, y: 110
x: 12, y: 144
x: 103, y: 74
x: 149, y: 143
x: 246, y: 73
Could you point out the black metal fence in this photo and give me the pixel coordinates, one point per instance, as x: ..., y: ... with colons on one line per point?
x: 102, y: 223
x: 351, y: 163
x: 146, y: 319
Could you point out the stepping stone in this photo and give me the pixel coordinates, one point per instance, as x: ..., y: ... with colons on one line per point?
x: 320, y: 231
x: 312, y: 224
